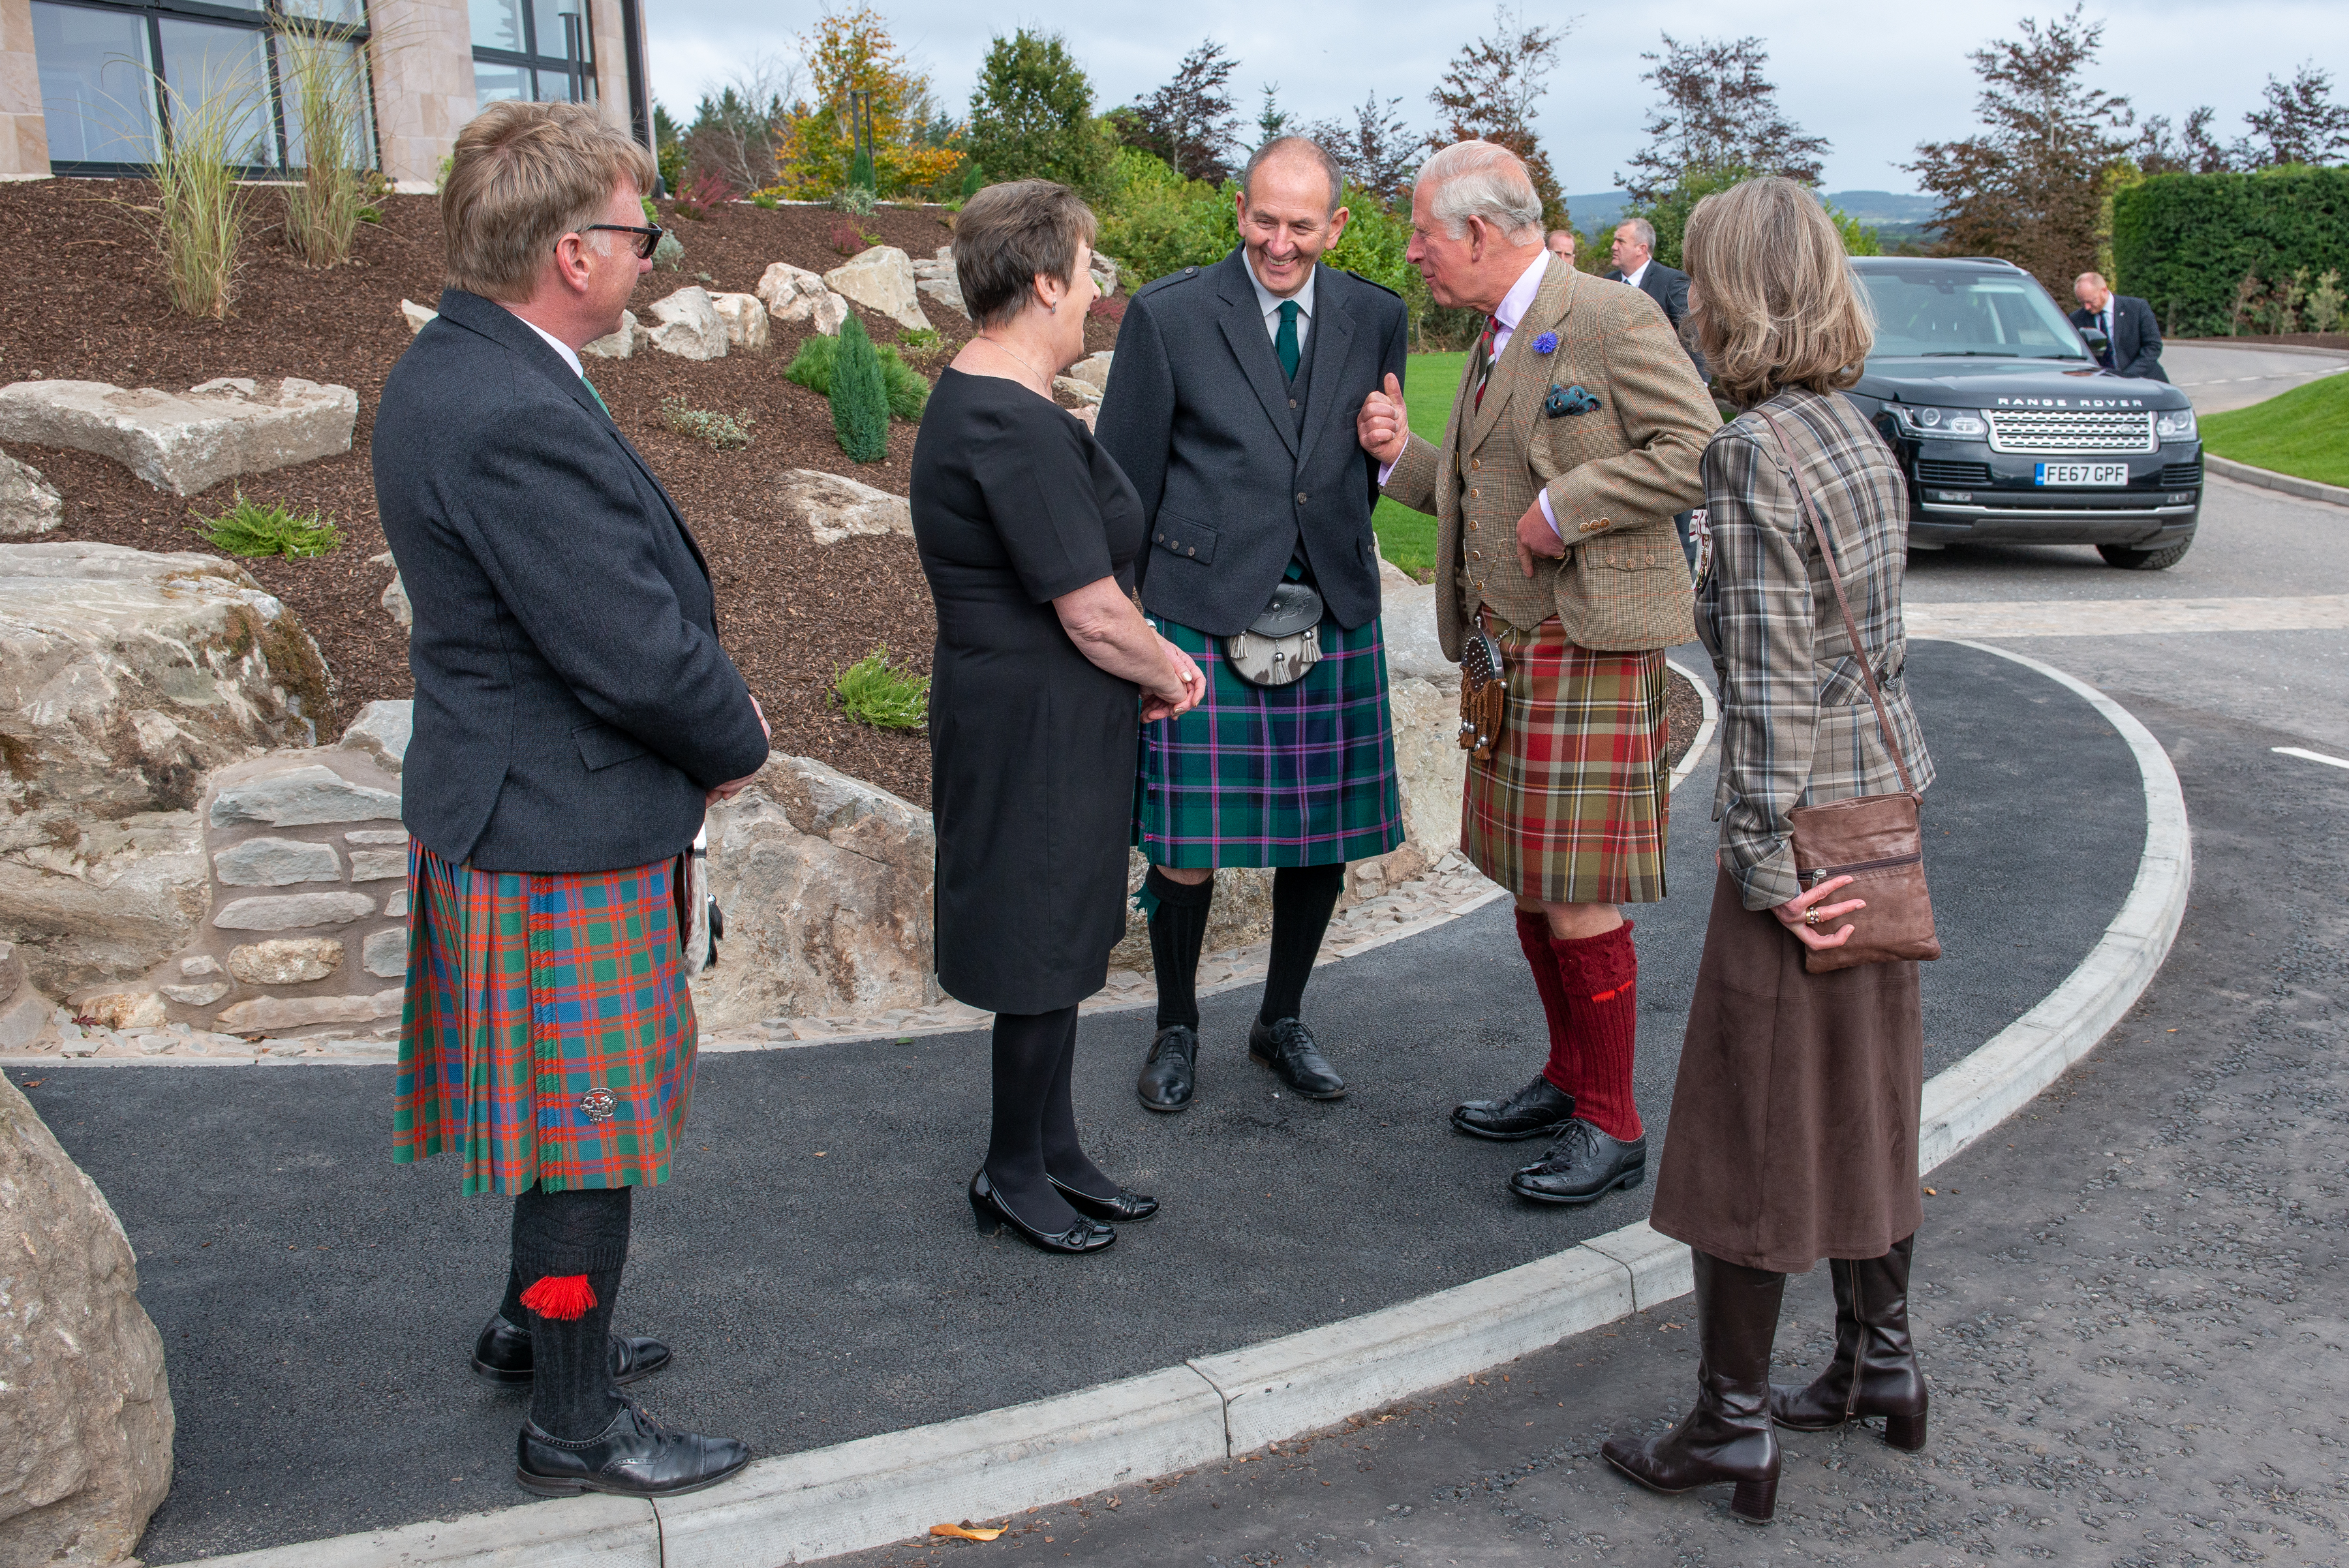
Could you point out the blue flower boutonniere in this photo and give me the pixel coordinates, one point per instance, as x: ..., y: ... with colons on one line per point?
x: 1545, y: 344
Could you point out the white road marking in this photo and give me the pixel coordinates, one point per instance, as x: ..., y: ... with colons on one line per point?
x: 2124, y: 618
x: 2310, y: 757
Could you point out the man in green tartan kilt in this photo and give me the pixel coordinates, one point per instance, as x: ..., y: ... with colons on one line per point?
x: 1230, y: 405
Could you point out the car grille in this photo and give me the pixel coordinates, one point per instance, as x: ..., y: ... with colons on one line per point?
x: 2177, y: 473
x: 2063, y: 431
x: 1953, y: 473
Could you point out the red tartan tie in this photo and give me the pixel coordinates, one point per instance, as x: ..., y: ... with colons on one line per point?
x: 1484, y: 357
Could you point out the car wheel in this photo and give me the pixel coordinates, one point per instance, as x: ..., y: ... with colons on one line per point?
x: 2129, y: 559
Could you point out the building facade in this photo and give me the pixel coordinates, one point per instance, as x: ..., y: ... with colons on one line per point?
x: 95, y: 86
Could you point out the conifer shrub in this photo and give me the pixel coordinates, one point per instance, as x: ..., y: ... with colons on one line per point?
x: 860, y: 398
x: 908, y: 392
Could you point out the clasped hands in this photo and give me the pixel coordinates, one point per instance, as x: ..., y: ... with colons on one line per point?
x: 1157, y: 705
x: 1385, y: 433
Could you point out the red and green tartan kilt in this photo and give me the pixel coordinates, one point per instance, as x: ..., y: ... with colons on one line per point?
x: 547, y: 1033
x: 1302, y: 775
x: 1572, y: 807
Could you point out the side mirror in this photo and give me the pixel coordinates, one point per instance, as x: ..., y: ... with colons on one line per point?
x: 2098, y: 344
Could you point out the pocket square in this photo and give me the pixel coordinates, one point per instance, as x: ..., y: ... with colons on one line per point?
x: 1564, y: 401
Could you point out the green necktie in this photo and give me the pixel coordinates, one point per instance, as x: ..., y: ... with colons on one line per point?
x: 596, y: 395
x: 1284, y: 342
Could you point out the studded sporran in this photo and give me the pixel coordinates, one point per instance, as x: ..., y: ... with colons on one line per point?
x: 1281, y: 644
x: 1483, y: 694
x: 1874, y: 839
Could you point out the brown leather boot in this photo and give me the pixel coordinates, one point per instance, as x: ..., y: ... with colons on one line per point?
x: 1874, y: 1368
x: 1727, y: 1436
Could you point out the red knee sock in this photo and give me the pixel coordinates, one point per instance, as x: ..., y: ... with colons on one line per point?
x: 1600, y: 977
x: 1532, y: 935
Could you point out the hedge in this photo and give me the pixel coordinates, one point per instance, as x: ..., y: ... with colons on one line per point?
x: 2184, y: 242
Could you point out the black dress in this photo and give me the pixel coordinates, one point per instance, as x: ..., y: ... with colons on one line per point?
x: 1032, y: 745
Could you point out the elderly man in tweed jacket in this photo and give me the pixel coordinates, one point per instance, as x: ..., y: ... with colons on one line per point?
x: 1573, y: 438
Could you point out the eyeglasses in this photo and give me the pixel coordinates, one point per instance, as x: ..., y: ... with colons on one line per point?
x: 648, y: 236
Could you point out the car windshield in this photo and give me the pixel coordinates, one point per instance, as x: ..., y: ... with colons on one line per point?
x: 1944, y: 311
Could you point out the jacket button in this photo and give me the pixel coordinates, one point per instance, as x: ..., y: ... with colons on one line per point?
x: 1292, y: 402
x: 1475, y: 494
x: 1301, y: 498
x: 1158, y: 538
x: 1476, y: 462
x: 1475, y: 554
x: 1192, y: 551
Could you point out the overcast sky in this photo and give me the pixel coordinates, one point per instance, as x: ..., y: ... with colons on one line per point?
x: 1875, y: 80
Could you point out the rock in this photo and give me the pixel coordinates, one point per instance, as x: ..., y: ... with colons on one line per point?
x: 386, y: 952
x: 1431, y: 767
x: 1106, y: 272
x: 24, y: 1018
x: 881, y: 280
x: 829, y: 315
x: 85, y: 1421
x: 379, y: 836
x: 375, y: 864
x: 689, y: 327
x: 285, y: 961
x: 789, y: 292
x: 837, y: 508
x: 395, y: 594
x: 382, y: 731
x: 123, y: 1010
x: 947, y: 291
x: 276, y: 862
x: 745, y: 316
x: 200, y: 963
x: 825, y: 881
x: 29, y: 504
x: 189, y: 441
x: 1407, y: 624
x: 108, y: 901
x: 1093, y: 370
x: 416, y: 316
x: 1071, y: 393
x: 287, y: 911
x: 618, y: 345
x: 396, y: 903
x: 197, y: 995
x: 287, y: 792
x: 263, y: 1014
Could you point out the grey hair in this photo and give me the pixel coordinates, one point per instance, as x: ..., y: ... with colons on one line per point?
x: 1304, y: 145
x: 1642, y: 231
x: 1482, y: 179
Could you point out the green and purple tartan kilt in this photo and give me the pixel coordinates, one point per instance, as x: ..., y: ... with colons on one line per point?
x: 1302, y: 775
x: 547, y: 1034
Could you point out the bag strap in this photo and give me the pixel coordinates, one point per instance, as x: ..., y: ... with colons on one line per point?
x: 1834, y: 580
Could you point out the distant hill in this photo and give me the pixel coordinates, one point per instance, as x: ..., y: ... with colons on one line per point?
x: 1897, y: 212
x: 1595, y: 208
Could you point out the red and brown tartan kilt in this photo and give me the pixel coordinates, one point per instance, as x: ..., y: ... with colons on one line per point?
x: 1572, y: 807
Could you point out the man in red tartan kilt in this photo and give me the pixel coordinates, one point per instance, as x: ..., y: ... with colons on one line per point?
x: 1573, y: 438
x: 575, y: 715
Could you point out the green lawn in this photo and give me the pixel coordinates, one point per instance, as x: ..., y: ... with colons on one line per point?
x: 1407, y: 537
x: 2305, y: 432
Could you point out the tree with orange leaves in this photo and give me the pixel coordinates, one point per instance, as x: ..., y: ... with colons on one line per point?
x: 852, y: 54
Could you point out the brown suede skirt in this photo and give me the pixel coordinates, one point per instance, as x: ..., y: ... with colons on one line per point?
x: 1793, y: 1124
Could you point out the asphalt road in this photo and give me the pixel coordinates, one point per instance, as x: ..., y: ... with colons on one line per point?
x: 2221, y: 379
x: 813, y: 1261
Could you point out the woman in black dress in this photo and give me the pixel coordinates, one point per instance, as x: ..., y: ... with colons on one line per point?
x: 1028, y: 532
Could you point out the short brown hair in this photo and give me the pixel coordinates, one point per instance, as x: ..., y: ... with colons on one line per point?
x: 524, y: 175
x: 1007, y: 233
x: 1775, y: 303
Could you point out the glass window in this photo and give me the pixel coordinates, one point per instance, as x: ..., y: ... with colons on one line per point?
x: 225, y: 71
x: 497, y: 25
x: 96, y: 92
x: 346, y: 13
x: 342, y: 73
x: 562, y: 29
x: 493, y: 84
x: 1953, y: 313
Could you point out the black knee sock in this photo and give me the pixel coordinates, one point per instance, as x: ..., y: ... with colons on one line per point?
x: 1029, y: 1048
x: 1177, y: 930
x: 561, y: 1237
x: 1302, y: 898
x: 511, y: 1309
x: 1064, y: 1152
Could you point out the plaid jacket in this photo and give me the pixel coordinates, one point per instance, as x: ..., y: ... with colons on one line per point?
x: 1796, y: 726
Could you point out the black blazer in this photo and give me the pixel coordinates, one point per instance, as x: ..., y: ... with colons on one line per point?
x: 2136, y: 349
x: 1231, y: 476
x: 1668, y: 286
x: 573, y: 705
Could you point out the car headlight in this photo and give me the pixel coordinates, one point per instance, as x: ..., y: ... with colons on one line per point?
x: 1942, y: 424
x: 2175, y: 424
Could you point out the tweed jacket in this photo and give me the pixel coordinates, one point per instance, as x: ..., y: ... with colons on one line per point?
x: 1796, y: 726
x: 1616, y: 476
x: 572, y: 704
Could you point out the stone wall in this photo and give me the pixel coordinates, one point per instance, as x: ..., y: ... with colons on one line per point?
x: 24, y: 132
x: 424, y: 94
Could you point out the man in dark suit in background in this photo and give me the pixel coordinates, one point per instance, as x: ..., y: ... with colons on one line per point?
x: 2132, y: 340
x: 575, y: 715
x: 1230, y: 405
x: 1635, y: 263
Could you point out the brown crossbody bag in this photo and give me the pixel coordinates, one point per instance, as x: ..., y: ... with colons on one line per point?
x: 1872, y: 839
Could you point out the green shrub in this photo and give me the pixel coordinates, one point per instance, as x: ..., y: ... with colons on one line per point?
x: 874, y: 692
x: 268, y: 528
x: 669, y: 253
x: 767, y: 200
x: 724, y: 432
x: 1155, y: 221
x: 199, y: 215
x: 2189, y: 245
x: 908, y: 393
x: 860, y: 398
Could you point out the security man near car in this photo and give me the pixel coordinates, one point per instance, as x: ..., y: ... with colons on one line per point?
x: 1575, y: 435
x: 1230, y: 404
x: 2132, y: 340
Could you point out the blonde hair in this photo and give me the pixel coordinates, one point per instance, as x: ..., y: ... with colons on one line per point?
x: 524, y: 175
x: 1775, y: 303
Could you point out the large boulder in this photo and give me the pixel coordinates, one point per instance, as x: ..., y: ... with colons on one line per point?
x: 825, y: 882
x: 745, y: 316
x: 881, y: 280
x: 794, y: 295
x: 936, y: 278
x: 417, y: 315
x: 85, y: 1418
x: 836, y: 508
x: 621, y: 344
x: 1093, y: 370
x: 690, y: 327
x: 185, y: 442
x: 29, y: 504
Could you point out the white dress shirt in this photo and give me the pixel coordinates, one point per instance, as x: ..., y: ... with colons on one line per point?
x: 1270, y: 304
x: 1637, y: 273
x: 570, y: 354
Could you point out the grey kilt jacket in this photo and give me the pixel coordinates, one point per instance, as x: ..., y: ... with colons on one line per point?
x: 572, y: 704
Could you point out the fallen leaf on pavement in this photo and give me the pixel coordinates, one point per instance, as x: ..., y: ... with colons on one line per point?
x: 964, y: 1533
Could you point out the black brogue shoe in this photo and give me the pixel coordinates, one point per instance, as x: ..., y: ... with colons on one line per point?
x: 636, y: 1455
x: 1583, y: 1165
x: 1540, y: 1108
x: 1289, y: 1048
x: 1170, y: 1072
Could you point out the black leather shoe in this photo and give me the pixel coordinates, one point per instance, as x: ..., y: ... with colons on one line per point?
x: 1583, y: 1165
x: 1122, y: 1210
x: 636, y: 1455
x: 501, y: 1356
x: 1287, y: 1047
x: 1541, y: 1106
x: 1171, y: 1070
x: 988, y: 1208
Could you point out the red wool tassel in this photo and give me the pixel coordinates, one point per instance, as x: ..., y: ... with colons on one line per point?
x: 565, y: 1298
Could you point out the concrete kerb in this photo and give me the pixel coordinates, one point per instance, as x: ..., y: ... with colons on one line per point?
x: 796, y: 1507
x: 2269, y: 479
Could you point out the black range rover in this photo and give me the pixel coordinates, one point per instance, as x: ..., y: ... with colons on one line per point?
x: 2008, y: 430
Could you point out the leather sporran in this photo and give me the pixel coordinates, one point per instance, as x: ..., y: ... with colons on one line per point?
x: 1282, y: 644
x: 1483, y: 694
x: 1874, y: 839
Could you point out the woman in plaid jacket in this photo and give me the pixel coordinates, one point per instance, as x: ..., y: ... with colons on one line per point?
x: 1794, y: 1125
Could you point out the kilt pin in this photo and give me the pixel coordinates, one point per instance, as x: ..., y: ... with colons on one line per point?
x: 1578, y: 400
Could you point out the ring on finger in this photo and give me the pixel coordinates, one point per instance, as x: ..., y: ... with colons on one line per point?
x: 1810, y: 917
